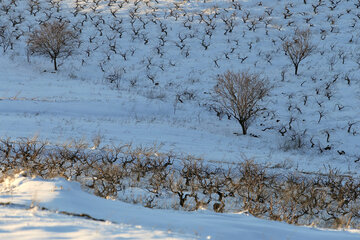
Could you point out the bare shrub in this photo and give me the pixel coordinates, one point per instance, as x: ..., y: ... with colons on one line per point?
x: 298, y: 47
x: 239, y: 94
x: 251, y: 186
x: 114, y: 77
x: 107, y: 179
x: 54, y: 39
x: 30, y: 153
x: 178, y: 186
x: 294, y: 139
x: 68, y: 160
x: 299, y: 198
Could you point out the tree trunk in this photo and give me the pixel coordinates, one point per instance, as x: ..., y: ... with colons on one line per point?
x: 244, y: 128
x: 55, y: 65
x: 296, y: 69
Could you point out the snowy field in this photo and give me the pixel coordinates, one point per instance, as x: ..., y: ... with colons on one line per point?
x: 144, y: 74
x: 78, y: 101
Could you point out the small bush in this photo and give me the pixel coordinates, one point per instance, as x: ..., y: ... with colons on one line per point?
x: 115, y: 77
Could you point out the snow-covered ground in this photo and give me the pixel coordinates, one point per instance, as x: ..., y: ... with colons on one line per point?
x: 77, y: 101
x: 173, y: 50
x: 25, y: 219
x: 19, y: 223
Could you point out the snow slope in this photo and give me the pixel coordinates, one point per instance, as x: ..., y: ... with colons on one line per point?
x: 159, y: 67
x: 58, y: 108
x: 125, y: 220
x: 18, y: 223
x: 176, y: 54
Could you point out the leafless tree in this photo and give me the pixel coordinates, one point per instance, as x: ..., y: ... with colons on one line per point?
x: 6, y: 37
x: 54, y: 39
x: 298, y: 47
x: 239, y: 94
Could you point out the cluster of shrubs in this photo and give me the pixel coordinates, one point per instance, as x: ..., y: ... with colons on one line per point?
x: 326, y: 200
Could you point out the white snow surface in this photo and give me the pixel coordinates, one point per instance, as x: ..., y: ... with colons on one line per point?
x: 126, y: 221
x: 78, y: 102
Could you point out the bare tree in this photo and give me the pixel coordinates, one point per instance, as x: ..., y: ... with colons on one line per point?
x: 54, y: 39
x: 239, y: 93
x: 298, y: 47
x: 6, y: 37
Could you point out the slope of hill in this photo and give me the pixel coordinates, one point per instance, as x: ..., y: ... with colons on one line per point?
x: 144, y: 73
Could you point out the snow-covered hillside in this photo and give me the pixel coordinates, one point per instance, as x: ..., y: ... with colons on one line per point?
x: 144, y: 74
x: 163, y: 58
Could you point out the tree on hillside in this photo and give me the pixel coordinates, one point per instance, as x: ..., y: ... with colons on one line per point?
x: 53, y: 39
x: 239, y: 94
x: 298, y: 47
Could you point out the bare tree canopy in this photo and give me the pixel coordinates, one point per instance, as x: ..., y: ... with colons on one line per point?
x: 53, y: 39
